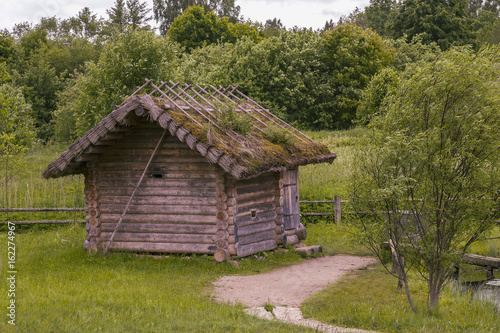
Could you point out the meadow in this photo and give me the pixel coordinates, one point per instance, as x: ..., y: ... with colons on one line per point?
x: 60, y: 288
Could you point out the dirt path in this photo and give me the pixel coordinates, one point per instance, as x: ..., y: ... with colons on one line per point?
x: 287, y: 286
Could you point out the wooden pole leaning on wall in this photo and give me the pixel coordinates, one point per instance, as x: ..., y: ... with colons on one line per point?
x: 135, y: 190
x: 337, y: 208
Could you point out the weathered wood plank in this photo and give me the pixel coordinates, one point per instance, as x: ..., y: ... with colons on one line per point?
x: 160, y: 228
x: 478, y: 260
x: 157, y: 160
x: 158, y: 238
x: 161, y: 174
x: 261, y: 216
x: 258, y: 207
x: 257, y: 237
x: 158, y: 182
x: 255, y: 228
x: 159, y: 200
x: 264, y: 186
x: 165, y: 209
x: 159, y: 191
x: 258, y: 197
x: 160, y: 218
x: 172, y: 166
x: 246, y: 250
x: 164, y: 247
x: 241, y: 184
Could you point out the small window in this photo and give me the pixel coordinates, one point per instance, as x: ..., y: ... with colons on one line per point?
x: 157, y: 175
x: 253, y: 213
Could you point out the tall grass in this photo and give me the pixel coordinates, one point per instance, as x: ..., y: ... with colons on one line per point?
x: 28, y: 189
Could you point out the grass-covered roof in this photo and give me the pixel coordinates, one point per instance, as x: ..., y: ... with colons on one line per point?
x: 222, y: 124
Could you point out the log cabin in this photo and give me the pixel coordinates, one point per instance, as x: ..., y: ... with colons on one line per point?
x: 171, y: 170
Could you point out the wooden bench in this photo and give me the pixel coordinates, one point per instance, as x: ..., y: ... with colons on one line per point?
x: 489, y: 262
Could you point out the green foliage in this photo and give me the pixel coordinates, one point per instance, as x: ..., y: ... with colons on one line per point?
x: 279, y: 135
x: 6, y: 43
x: 351, y: 57
x: 197, y: 28
x: 446, y: 23
x: 436, y: 142
x: 124, y: 63
x: 235, y: 120
x: 64, y: 120
x: 374, y: 94
x: 414, y: 51
x: 166, y: 11
x: 377, y: 15
x: 40, y: 85
x: 17, y: 133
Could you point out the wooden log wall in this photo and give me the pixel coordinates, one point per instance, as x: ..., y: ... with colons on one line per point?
x: 178, y: 207
x: 255, y: 215
x: 92, y: 207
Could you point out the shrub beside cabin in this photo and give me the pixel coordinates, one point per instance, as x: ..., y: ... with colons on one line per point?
x: 174, y: 171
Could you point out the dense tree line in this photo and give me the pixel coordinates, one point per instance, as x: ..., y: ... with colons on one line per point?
x: 71, y: 72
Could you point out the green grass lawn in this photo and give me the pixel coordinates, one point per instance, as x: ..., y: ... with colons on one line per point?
x: 369, y: 299
x: 60, y: 288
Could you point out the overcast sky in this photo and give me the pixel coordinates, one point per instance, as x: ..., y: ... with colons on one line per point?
x: 301, y: 13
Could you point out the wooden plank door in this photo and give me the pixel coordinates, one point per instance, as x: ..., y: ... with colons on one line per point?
x: 291, y: 211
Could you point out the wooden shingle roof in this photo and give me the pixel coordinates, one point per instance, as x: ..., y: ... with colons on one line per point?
x: 193, y: 114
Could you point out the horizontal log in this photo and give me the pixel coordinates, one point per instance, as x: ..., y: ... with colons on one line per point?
x: 292, y: 239
x: 221, y: 255
x: 156, y: 160
x: 484, y: 261
x: 155, y: 165
x: 158, y: 191
x: 158, y: 182
x: 160, y: 228
x: 159, y: 218
x: 258, y: 207
x: 249, y: 249
x: 257, y: 197
x: 261, y: 216
x: 159, y: 174
x: 164, y: 247
x: 256, y: 228
x: 257, y: 237
x: 252, y: 182
x: 158, y: 200
x: 110, y: 151
x: 232, y: 249
x: 158, y: 238
x: 159, y: 209
x: 281, y: 239
x: 264, y: 186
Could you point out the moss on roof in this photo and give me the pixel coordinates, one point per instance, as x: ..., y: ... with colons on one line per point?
x: 201, y: 115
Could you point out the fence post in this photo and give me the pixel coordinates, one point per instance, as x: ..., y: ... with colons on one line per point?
x: 337, y: 208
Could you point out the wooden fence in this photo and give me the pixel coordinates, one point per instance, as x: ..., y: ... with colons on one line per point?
x: 336, y: 202
x: 36, y: 210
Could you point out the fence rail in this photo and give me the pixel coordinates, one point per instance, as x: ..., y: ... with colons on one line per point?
x: 42, y: 209
x: 337, y: 211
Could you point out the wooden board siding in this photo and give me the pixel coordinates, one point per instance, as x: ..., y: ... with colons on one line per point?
x: 290, y: 199
x: 176, y: 207
x: 254, y: 215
